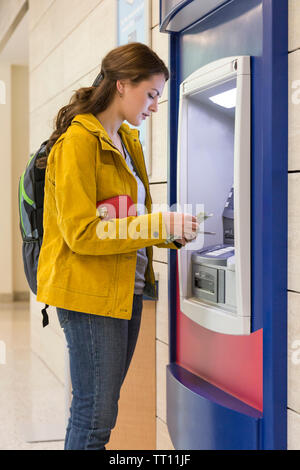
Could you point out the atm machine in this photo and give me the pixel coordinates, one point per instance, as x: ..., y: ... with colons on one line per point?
x: 213, y: 175
x: 226, y: 377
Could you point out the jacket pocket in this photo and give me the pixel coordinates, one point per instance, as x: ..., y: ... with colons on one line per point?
x: 91, y: 275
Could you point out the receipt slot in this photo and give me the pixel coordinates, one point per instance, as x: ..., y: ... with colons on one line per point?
x: 214, y: 176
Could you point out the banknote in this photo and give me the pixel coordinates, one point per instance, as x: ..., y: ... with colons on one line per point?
x: 202, y: 216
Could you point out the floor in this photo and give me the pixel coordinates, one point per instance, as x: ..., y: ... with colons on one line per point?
x: 32, y: 402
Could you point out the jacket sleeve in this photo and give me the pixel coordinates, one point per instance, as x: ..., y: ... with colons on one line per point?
x: 76, y: 196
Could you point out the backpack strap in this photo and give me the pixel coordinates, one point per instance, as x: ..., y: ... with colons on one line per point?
x: 45, y: 316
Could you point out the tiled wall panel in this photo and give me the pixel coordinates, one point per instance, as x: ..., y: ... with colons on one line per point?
x: 162, y: 324
x: 159, y: 171
x: 294, y: 351
x: 294, y: 22
x: 80, y: 52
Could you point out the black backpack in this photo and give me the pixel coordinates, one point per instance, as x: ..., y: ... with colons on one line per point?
x: 31, y: 204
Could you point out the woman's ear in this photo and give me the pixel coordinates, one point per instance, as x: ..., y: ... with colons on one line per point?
x: 120, y: 85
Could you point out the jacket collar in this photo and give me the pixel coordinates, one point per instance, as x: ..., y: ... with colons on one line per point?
x: 93, y: 125
x: 129, y: 136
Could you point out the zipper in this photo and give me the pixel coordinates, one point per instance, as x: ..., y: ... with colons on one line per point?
x: 27, y: 198
x: 31, y: 157
x: 138, y: 171
x: 143, y: 157
x: 118, y: 259
x: 145, y: 169
x: 151, y: 271
x: 116, y: 150
x: 132, y: 162
x: 150, y: 264
x: 20, y: 208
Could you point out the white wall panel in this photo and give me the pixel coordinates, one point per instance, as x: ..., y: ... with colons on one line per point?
x: 162, y: 306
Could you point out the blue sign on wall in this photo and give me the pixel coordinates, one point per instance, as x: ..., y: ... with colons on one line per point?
x: 133, y: 21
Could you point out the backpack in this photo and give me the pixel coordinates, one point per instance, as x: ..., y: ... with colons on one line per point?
x: 31, y: 204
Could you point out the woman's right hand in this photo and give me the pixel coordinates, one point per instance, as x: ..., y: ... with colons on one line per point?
x: 180, y: 225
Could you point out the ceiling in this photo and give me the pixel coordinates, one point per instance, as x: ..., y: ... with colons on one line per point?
x: 16, y: 50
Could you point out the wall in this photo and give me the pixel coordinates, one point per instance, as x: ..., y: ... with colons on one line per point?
x: 20, y: 155
x: 14, y: 136
x: 11, y: 11
x: 59, y: 38
x: 294, y: 229
x: 14, y: 130
x: 6, y: 281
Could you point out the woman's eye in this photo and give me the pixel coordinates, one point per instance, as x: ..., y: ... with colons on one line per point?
x: 150, y: 96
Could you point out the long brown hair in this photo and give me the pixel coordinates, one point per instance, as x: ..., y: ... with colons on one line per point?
x: 134, y: 61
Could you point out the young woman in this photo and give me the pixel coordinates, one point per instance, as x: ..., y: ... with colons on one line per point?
x: 93, y: 270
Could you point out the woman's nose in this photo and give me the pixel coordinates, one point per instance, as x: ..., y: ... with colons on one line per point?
x: 154, y: 105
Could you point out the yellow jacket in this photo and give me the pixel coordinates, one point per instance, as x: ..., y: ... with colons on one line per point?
x: 88, y: 264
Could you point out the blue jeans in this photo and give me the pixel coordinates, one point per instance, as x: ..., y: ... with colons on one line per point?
x: 100, y: 352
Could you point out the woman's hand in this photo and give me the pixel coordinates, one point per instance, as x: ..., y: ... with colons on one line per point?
x: 183, y: 227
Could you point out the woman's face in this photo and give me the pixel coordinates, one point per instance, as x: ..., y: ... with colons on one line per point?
x: 137, y: 102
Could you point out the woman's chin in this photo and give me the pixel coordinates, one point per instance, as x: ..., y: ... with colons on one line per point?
x: 135, y: 122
